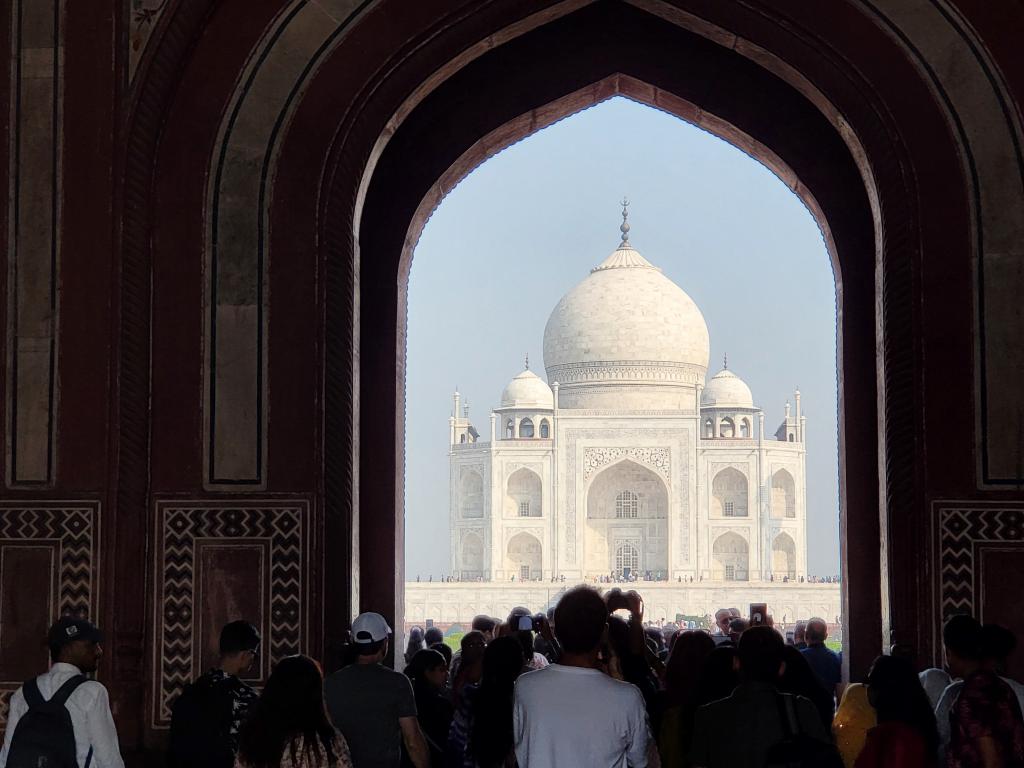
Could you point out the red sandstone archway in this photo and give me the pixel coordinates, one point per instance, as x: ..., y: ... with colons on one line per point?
x: 406, y: 100
x: 550, y: 72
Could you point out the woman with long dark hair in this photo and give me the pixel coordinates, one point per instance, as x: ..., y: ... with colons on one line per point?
x: 428, y: 672
x: 679, y: 697
x: 906, y: 735
x: 800, y: 680
x: 717, y: 677
x: 481, y: 734
x: 288, y: 726
x: 416, y: 643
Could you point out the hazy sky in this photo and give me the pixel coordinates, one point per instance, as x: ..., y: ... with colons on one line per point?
x: 529, y: 224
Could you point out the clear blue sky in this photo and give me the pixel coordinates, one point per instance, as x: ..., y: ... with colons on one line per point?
x: 529, y: 224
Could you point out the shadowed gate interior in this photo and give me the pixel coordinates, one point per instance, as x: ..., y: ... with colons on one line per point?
x: 206, y: 320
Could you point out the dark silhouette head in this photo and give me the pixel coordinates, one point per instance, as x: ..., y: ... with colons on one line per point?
x: 428, y: 667
x: 445, y: 652
x: 484, y: 624
x: 76, y: 641
x: 292, y: 705
x: 433, y: 635
x: 415, y: 643
x: 800, y: 632
x: 718, y: 676
x: 895, y: 691
x: 760, y: 655
x: 816, y: 632
x: 798, y: 677
x: 580, y: 619
x: 689, y: 652
x: 962, y: 638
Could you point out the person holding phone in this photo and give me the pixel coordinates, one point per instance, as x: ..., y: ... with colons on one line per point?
x: 522, y: 625
x: 571, y: 713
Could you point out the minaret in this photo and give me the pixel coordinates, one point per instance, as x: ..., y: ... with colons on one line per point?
x: 455, y: 415
x: 800, y: 420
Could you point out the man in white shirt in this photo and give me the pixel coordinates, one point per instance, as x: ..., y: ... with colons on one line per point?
x: 75, y: 649
x: 572, y: 714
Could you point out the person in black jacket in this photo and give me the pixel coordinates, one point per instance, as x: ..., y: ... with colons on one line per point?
x: 428, y: 672
x: 207, y: 717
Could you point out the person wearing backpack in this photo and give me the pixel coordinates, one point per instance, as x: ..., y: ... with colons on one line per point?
x: 206, y: 718
x: 757, y: 726
x: 62, y: 719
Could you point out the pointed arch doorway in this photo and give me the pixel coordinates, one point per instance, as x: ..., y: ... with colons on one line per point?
x: 844, y: 191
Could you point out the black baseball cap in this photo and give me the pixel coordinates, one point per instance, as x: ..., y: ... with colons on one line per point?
x: 68, y: 629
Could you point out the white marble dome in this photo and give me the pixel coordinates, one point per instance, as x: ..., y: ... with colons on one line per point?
x: 726, y: 390
x: 626, y: 322
x: 527, y: 390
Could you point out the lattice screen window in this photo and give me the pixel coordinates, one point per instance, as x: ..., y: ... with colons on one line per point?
x: 730, y: 509
x: 627, y: 505
x: 524, y: 509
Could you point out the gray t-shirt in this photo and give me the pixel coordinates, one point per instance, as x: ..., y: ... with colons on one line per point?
x: 365, y: 702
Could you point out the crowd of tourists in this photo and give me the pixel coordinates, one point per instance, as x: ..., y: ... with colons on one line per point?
x: 587, y: 684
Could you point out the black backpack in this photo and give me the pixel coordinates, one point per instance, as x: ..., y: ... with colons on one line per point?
x: 44, y: 736
x: 797, y: 749
x: 200, y: 719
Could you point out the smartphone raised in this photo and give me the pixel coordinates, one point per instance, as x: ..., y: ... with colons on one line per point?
x: 758, y: 614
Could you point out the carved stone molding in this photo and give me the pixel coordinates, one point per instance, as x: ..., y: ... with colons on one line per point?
x: 534, y: 466
x: 715, y: 467
x: 658, y: 459
x: 627, y: 370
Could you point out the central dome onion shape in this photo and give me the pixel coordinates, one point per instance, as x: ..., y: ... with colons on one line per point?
x: 626, y: 336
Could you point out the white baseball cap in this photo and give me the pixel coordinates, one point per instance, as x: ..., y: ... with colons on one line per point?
x: 370, y: 628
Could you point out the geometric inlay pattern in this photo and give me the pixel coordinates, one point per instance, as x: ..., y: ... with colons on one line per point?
x: 73, y: 526
x: 960, y: 529
x: 282, y: 525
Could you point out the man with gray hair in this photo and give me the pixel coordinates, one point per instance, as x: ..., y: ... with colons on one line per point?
x: 825, y: 662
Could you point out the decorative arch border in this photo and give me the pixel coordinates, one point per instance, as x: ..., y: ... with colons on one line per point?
x: 152, y: 99
x: 597, y: 460
x: 664, y: 476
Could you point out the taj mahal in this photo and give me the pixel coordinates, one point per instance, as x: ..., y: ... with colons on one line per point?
x: 628, y: 461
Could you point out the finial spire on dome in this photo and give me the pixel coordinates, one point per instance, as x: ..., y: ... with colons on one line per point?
x: 527, y: 361
x: 624, y: 228
x: 725, y: 361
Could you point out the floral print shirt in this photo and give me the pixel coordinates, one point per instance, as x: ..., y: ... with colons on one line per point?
x: 342, y: 758
x: 986, y: 707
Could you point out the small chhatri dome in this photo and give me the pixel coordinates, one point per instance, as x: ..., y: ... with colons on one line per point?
x: 726, y: 390
x: 527, y: 390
